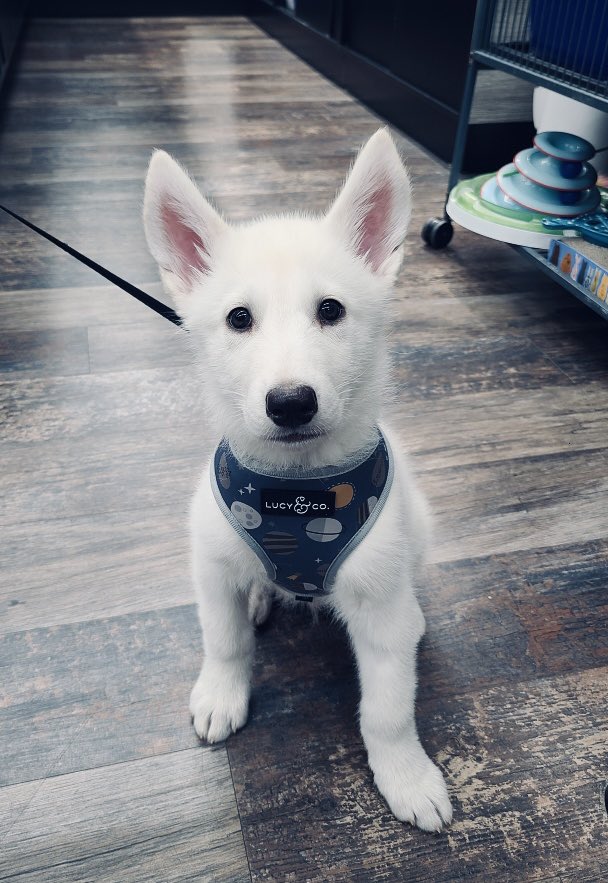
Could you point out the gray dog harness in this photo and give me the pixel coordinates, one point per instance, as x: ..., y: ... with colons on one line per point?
x: 303, y: 524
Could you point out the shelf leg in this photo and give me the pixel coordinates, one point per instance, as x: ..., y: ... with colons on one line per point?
x: 463, y: 127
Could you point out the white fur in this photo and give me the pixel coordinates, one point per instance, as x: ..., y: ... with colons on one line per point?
x: 280, y: 268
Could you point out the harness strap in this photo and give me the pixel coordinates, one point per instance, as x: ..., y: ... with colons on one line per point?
x: 146, y: 299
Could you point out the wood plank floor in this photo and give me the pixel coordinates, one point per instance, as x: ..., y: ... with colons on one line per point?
x: 503, y: 402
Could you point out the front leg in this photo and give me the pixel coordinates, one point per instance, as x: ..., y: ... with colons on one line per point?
x: 385, y: 633
x: 220, y: 698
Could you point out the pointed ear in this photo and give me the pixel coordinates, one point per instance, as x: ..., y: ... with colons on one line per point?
x: 373, y: 208
x: 182, y: 228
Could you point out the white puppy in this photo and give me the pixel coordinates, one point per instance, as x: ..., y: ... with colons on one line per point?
x: 289, y: 317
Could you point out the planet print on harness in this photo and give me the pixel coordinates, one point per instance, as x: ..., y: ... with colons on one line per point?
x: 280, y: 542
x: 365, y: 509
x: 246, y: 515
x: 323, y: 530
x: 344, y: 494
x: 379, y: 470
x: 297, y: 586
x: 223, y: 472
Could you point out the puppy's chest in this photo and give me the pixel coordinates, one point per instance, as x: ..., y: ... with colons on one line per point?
x: 303, y: 525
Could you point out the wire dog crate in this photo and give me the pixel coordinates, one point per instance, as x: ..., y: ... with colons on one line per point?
x: 559, y: 44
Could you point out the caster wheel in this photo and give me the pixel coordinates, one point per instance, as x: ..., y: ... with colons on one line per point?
x: 437, y: 232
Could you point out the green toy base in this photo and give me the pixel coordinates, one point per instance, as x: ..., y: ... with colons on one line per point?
x: 467, y: 208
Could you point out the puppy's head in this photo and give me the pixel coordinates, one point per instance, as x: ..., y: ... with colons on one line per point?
x: 287, y: 313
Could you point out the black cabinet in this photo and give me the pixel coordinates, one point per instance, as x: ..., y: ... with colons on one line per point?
x: 430, y: 47
x: 12, y: 14
x: 424, y: 44
x: 407, y: 61
x: 369, y: 28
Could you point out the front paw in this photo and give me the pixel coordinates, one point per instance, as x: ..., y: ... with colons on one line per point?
x: 260, y: 604
x: 413, y: 787
x: 218, y: 703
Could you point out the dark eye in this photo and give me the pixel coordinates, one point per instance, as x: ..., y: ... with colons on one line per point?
x: 239, y: 318
x: 330, y: 310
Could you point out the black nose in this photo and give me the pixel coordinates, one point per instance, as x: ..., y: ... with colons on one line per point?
x: 291, y: 406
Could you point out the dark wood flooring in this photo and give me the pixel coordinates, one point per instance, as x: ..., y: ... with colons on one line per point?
x: 503, y: 402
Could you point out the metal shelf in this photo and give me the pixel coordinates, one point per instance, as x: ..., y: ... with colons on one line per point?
x: 538, y: 257
x: 559, y: 44
x: 518, y: 63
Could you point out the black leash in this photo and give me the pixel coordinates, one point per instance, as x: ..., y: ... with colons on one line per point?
x: 135, y: 292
